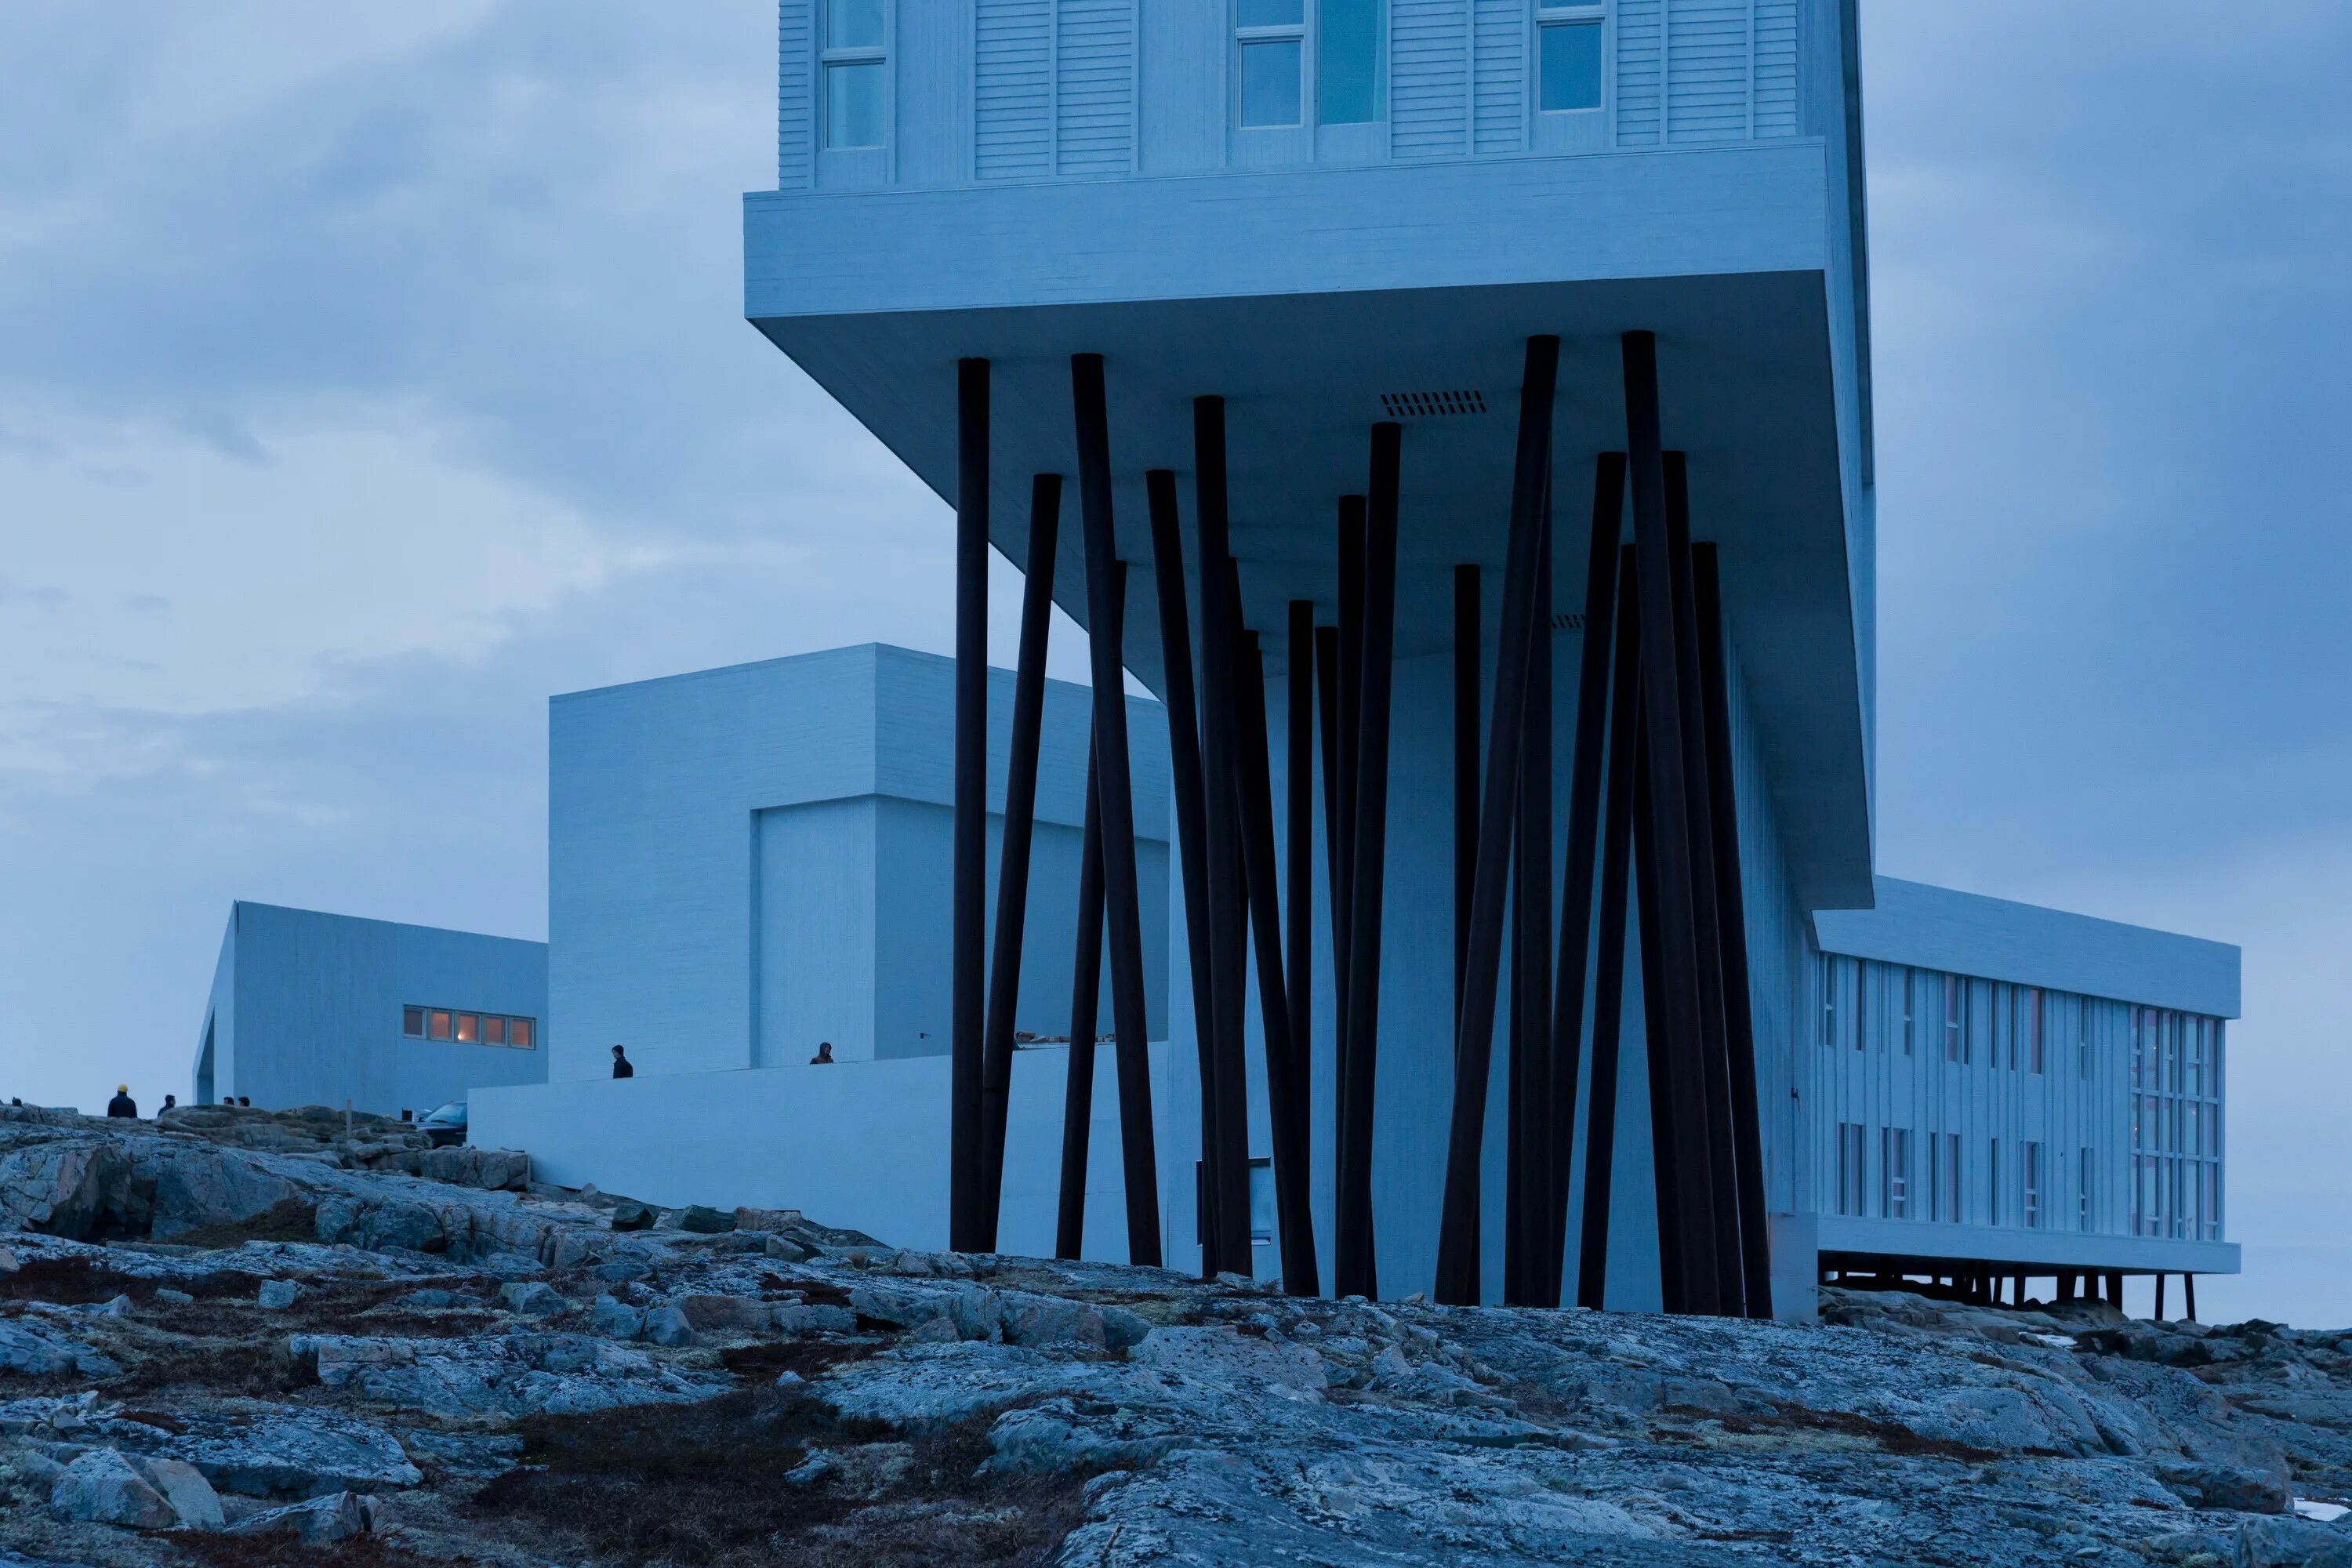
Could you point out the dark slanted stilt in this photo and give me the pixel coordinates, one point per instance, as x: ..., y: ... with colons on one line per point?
x: 1085, y: 992
x: 1707, y: 914
x: 1355, y: 1263
x: 1122, y: 909
x: 1731, y: 908
x: 1466, y: 763
x: 1225, y: 1168
x: 1672, y: 1260
x: 2159, y: 1298
x: 1013, y: 856
x: 1286, y: 1092
x: 1585, y: 781
x: 2189, y: 1296
x: 1335, y: 845
x: 1474, y: 1040
x: 1298, y: 855
x: 1675, y: 918
x: 1528, y: 1249
x: 1192, y: 823
x: 1609, y: 964
x: 967, y: 1182
x: 1349, y: 648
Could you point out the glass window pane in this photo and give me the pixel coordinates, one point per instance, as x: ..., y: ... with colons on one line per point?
x: 1275, y: 13
x: 853, y: 23
x: 411, y: 1020
x: 1270, y: 83
x: 494, y: 1031
x: 1572, y: 66
x: 1348, y: 61
x: 519, y: 1032
x: 852, y: 105
x: 439, y: 1027
x: 469, y: 1029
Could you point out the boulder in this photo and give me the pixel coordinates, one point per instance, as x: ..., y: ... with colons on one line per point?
x: 634, y: 1216
x: 279, y: 1294
x: 505, y: 1374
x: 797, y: 1318
x: 533, y: 1299
x: 199, y: 1184
x: 184, y: 1487
x: 723, y: 1314
x: 102, y: 1488
x: 615, y: 1320
x: 36, y: 1350
x: 705, y: 1221
x: 70, y: 1187
x: 290, y: 1452
x: 766, y: 1219
x: 321, y: 1522
x: 2244, y: 1488
x: 667, y: 1326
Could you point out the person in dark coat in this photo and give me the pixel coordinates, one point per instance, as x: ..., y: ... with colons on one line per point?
x: 823, y: 1056
x: 122, y: 1104
x: 622, y: 1066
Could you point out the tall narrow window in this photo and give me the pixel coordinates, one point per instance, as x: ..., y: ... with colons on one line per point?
x: 1828, y: 999
x: 1351, y: 44
x: 2083, y: 1173
x: 1895, y: 1172
x: 854, y: 64
x: 1272, y: 35
x: 1568, y: 55
x: 2004, y: 1024
x: 437, y: 1026
x: 1949, y: 1209
x: 2030, y: 1021
x: 2029, y: 1189
x: 412, y: 1021
x: 1850, y: 1168
x: 1910, y: 1011
x: 1993, y: 1181
x: 2082, y: 1038
x: 519, y: 1034
x: 1956, y: 1020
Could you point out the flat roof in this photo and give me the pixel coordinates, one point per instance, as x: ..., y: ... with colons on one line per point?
x: 1998, y: 939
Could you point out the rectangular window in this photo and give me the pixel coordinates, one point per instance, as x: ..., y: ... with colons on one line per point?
x: 1568, y: 56
x: 1947, y: 1170
x: 1993, y: 1181
x: 437, y: 1025
x: 520, y: 1032
x: 469, y: 1029
x: 2029, y: 1189
x: 1910, y: 1011
x: 412, y: 1021
x: 1271, y: 37
x: 1850, y: 1168
x: 2083, y: 1173
x: 855, y: 67
x: 2004, y: 1025
x: 2029, y: 1023
x: 494, y: 1031
x: 1350, y: 45
x: 1260, y: 1203
x: 2082, y: 1038
x: 1895, y: 1172
x: 1956, y: 1019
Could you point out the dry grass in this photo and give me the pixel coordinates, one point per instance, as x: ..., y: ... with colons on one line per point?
x: 293, y: 1220
x: 281, y: 1549
x: 704, y: 1485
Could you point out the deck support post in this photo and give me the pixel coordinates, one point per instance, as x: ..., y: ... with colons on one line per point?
x: 1467, y: 609
x: 1731, y: 909
x: 1191, y: 827
x: 1105, y: 624
x: 1609, y: 970
x: 1086, y: 992
x: 967, y: 1196
x: 1528, y: 1248
x: 1356, y: 1266
x: 1458, y: 1249
x: 1299, y: 852
x: 1012, y: 859
x: 1676, y: 919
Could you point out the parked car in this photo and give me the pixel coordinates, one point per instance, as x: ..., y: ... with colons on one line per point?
x: 446, y: 1125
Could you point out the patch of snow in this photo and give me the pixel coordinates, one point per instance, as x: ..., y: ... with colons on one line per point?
x: 2322, y: 1512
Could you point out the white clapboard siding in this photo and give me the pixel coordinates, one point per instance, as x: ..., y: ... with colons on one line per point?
x: 1641, y: 64
x: 1500, y: 74
x: 1706, y: 70
x: 795, y: 91
x: 1013, y: 96
x: 1428, y: 84
x: 1776, y: 68
x: 1094, y: 69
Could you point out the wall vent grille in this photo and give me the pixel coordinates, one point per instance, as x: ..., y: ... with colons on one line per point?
x: 1567, y: 621
x: 1431, y: 405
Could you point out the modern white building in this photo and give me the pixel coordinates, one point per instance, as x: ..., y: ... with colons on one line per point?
x: 309, y: 1008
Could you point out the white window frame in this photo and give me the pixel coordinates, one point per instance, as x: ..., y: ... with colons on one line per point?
x: 1300, y: 32
x: 828, y: 55
x: 1552, y: 13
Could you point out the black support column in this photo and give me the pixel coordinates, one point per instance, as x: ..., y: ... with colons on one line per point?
x: 1121, y: 907
x: 1584, y: 792
x: 1192, y: 820
x: 1013, y: 857
x: 1528, y: 1249
x: 1226, y: 1165
x: 1675, y: 920
x: 1356, y: 1265
x: 967, y: 1180
x: 1608, y: 965
x: 1085, y: 992
x: 1748, y: 1127
x: 1298, y: 854
x: 1457, y: 1241
x: 1466, y: 764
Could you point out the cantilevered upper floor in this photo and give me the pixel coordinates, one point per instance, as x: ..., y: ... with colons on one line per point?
x: 1336, y: 212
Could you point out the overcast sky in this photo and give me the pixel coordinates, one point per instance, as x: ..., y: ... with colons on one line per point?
x: 370, y: 372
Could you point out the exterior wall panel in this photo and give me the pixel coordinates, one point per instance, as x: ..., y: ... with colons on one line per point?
x: 1708, y: 63
x: 1013, y: 91
x: 1428, y: 78
x: 1500, y: 106
x: 1641, y: 72
x: 1776, y: 68
x: 796, y: 92
x: 1094, y: 93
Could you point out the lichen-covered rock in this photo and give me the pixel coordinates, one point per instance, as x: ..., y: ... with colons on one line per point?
x: 507, y: 1374
x: 321, y: 1522
x: 101, y: 1487
x: 34, y: 1348
x: 194, y: 1502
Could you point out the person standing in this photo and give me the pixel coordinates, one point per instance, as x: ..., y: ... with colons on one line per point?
x: 122, y: 1104
x: 622, y: 1066
x: 823, y: 1056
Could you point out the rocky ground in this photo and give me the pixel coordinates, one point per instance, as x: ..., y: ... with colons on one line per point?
x: 238, y: 1337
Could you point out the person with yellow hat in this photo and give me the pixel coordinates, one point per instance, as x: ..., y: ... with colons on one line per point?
x: 122, y: 1104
